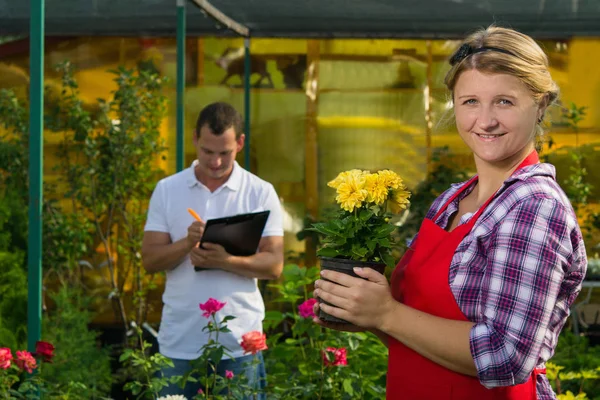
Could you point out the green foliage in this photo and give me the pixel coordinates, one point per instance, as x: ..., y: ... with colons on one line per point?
x: 107, y: 171
x: 204, y: 367
x: 445, y: 171
x: 146, y: 382
x: 576, y: 358
x: 109, y: 162
x: 363, y: 235
x: 294, y: 360
x: 576, y: 185
x: 16, y: 383
x: 13, y: 304
x: 573, y: 115
x: 79, y: 358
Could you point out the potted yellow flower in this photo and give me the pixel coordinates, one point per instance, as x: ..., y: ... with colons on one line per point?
x: 360, y: 232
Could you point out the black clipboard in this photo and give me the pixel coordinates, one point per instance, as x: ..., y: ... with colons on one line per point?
x: 239, y: 234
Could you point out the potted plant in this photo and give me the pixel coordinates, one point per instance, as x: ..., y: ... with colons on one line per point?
x: 359, y: 232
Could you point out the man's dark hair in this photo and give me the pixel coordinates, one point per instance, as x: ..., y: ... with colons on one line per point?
x: 219, y: 117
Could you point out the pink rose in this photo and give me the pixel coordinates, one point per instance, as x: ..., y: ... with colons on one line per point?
x: 25, y: 361
x: 228, y: 374
x: 5, y: 357
x: 211, y: 307
x: 306, y: 309
x: 253, y: 342
x: 44, y: 350
x: 339, y: 357
x: 200, y: 391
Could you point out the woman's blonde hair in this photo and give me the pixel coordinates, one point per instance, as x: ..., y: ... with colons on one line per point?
x: 505, y: 51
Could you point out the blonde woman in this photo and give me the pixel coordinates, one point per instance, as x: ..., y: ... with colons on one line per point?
x: 476, y: 304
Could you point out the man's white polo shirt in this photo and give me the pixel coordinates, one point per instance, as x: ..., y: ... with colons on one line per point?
x: 180, y: 335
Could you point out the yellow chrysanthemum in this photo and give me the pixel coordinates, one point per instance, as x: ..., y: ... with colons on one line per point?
x: 351, y: 192
x: 399, y: 200
x: 377, y: 189
x: 342, y: 176
x: 390, y: 179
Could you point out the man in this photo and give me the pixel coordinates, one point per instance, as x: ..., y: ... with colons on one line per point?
x: 214, y: 186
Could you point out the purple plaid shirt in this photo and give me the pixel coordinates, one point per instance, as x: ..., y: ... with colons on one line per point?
x: 516, y: 274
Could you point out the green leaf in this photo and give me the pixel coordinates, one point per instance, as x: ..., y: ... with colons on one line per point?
x: 216, y: 355
x: 364, y: 215
x: 371, y: 245
x: 347, y: 384
x: 274, y: 316
x: 385, y: 230
x: 327, y: 252
x: 353, y: 343
x: 358, y: 251
x: 125, y: 356
x: 325, y: 229
x: 388, y: 260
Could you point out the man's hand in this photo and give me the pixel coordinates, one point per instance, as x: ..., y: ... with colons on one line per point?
x: 210, y: 255
x: 195, y: 232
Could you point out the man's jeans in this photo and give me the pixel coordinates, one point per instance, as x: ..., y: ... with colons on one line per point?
x: 254, y: 373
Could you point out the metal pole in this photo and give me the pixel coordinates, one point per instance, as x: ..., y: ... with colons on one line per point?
x: 180, y: 84
x: 247, y: 73
x: 36, y: 168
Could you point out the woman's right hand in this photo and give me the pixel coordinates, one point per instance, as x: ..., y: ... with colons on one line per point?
x: 335, y: 325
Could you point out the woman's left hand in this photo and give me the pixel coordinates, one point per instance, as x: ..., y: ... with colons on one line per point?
x: 362, y: 302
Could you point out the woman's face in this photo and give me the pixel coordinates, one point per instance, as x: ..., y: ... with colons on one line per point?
x: 496, y: 116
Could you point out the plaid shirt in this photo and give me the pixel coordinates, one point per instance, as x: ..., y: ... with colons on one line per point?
x: 516, y: 274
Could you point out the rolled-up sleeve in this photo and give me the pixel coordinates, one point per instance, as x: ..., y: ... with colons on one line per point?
x: 528, y: 254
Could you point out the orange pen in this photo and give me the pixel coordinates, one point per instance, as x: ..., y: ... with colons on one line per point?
x: 194, y: 214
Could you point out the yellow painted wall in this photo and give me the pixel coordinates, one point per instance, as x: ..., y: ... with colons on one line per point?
x: 583, y: 82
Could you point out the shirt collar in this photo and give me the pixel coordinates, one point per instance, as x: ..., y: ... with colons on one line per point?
x: 234, y: 182
x: 539, y: 169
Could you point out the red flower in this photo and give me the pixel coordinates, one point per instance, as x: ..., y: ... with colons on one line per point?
x: 5, y: 357
x: 253, y: 342
x: 228, y: 374
x: 211, y: 307
x: 338, y: 355
x: 25, y: 361
x: 44, y: 350
x: 306, y: 309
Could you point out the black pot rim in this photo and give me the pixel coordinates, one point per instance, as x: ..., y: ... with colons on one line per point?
x: 350, y: 261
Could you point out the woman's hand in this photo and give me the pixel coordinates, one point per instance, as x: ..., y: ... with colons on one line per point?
x: 334, y: 325
x: 363, y: 302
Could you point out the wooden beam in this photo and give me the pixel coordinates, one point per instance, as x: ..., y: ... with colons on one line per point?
x: 428, y: 100
x: 311, y: 160
x: 223, y: 19
x: 200, y: 62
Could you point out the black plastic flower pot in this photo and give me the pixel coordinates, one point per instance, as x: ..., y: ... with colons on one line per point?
x: 344, y: 266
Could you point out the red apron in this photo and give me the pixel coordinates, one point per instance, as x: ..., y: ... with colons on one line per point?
x: 420, y: 281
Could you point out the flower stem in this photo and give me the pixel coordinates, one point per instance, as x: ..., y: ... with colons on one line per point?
x: 295, y: 319
x: 214, y: 317
x: 322, y: 379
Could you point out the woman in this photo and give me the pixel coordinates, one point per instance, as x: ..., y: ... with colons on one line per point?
x: 476, y: 304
